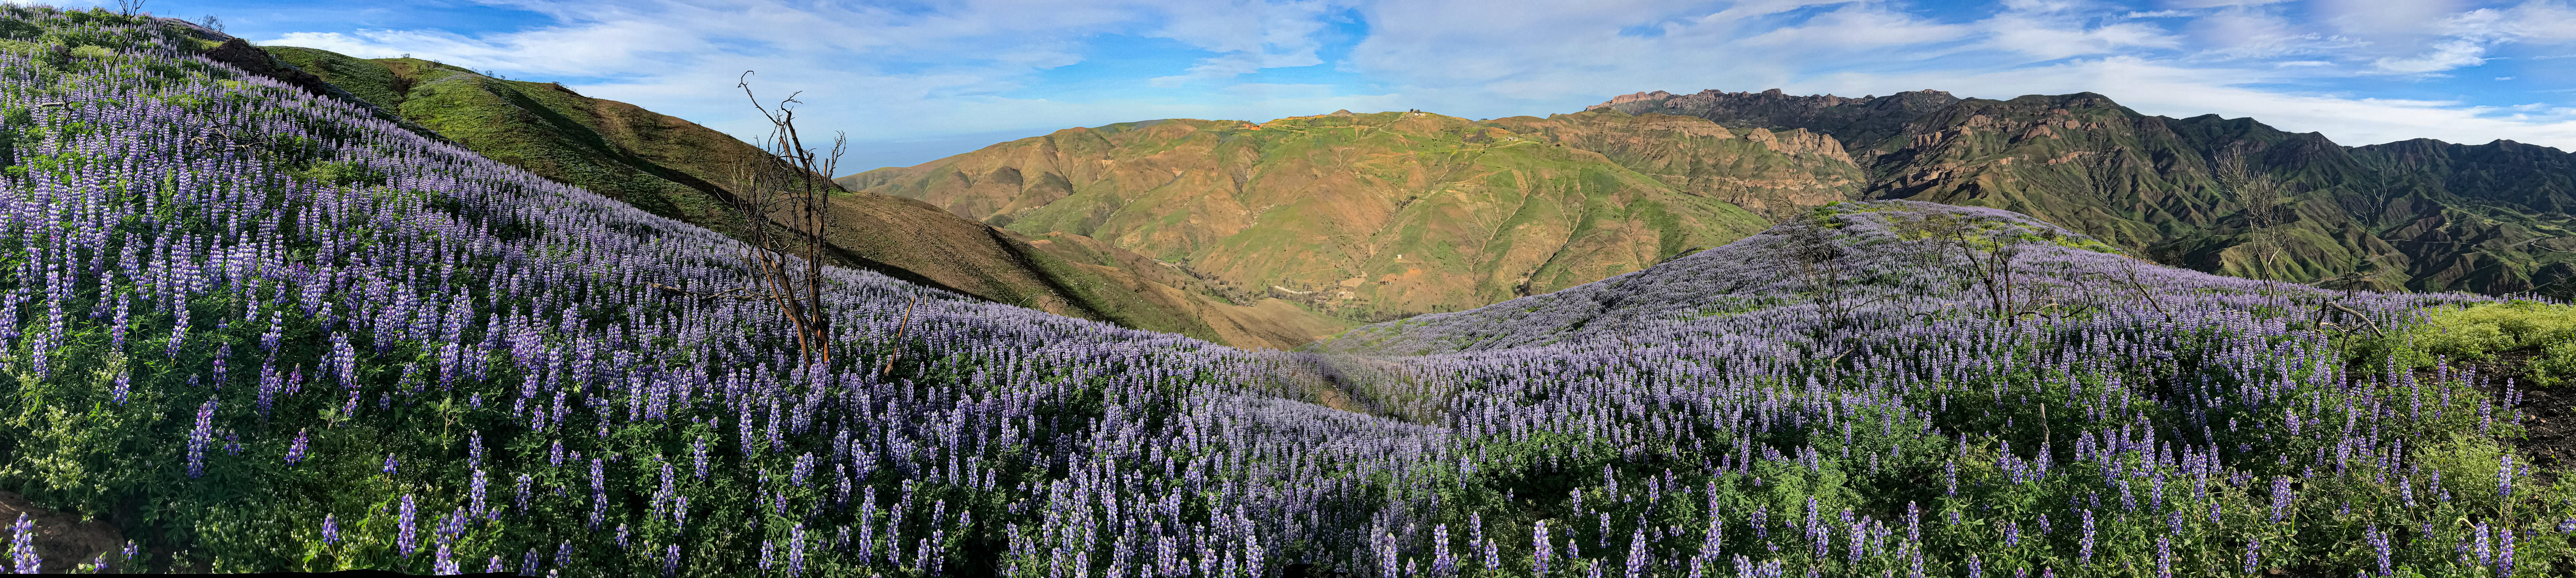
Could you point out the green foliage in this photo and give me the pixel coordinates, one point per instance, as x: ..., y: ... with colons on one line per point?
x: 2482, y: 331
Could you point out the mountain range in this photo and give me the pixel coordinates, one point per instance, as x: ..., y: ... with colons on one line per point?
x: 2421, y: 214
x: 1379, y: 216
x: 1277, y: 233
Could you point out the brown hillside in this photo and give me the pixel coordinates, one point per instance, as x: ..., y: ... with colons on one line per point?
x: 1379, y: 216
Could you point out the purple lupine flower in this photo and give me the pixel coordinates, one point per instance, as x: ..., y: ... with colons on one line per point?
x: 525, y: 481
x: 330, y: 529
x: 22, y: 546
x: 475, y: 492
x: 1538, y: 538
x: 2479, y: 546
x: 405, y: 542
x: 390, y: 464
x: 1761, y: 523
x: 2504, y: 550
x: 474, y: 449
x: 2164, y: 556
x: 2504, y: 477
x: 445, y: 564
x: 295, y: 451
x: 767, y: 559
x: 2281, y: 498
x: 201, y: 437
x: 1976, y: 566
x: 2253, y: 554
x: 796, y: 550
x: 698, y: 452
x: 1637, y: 555
x: 2084, y: 544
x: 2379, y: 545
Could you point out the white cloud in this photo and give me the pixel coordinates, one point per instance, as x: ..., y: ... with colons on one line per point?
x: 2260, y: 33
x: 2444, y: 56
x: 2218, y: 3
x: 1860, y: 27
x: 2386, y: 17
x: 979, y: 66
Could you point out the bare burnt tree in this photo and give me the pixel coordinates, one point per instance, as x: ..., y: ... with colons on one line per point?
x: 2260, y: 196
x: 1989, y: 256
x: 1807, y: 246
x: 783, y: 204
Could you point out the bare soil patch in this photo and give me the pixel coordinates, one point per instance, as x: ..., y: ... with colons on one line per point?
x: 63, y: 539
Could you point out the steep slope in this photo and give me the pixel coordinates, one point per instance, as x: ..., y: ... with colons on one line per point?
x: 1384, y: 215
x: 2423, y: 214
x: 678, y: 169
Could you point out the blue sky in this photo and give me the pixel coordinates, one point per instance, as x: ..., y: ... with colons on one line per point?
x: 914, y: 81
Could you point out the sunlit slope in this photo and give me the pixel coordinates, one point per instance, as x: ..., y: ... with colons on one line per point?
x: 1370, y: 216
x: 679, y: 169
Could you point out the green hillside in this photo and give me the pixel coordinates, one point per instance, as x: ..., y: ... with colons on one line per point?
x: 1385, y: 215
x: 678, y: 169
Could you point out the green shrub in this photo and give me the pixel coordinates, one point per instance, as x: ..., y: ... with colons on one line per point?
x: 2478, y: 332
x: 2556, y: 364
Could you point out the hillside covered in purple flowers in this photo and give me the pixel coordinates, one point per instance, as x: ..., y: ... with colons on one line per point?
x: 258, y: 330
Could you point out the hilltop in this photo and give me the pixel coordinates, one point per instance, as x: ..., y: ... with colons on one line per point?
x: 1386, y: 215
x: 2422, y: 215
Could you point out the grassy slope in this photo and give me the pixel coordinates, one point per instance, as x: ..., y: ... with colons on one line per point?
x: 678, y: 169
x: 1371, y: 217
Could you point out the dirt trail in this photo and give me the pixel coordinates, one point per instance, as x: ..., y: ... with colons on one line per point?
x: 63, y: 540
